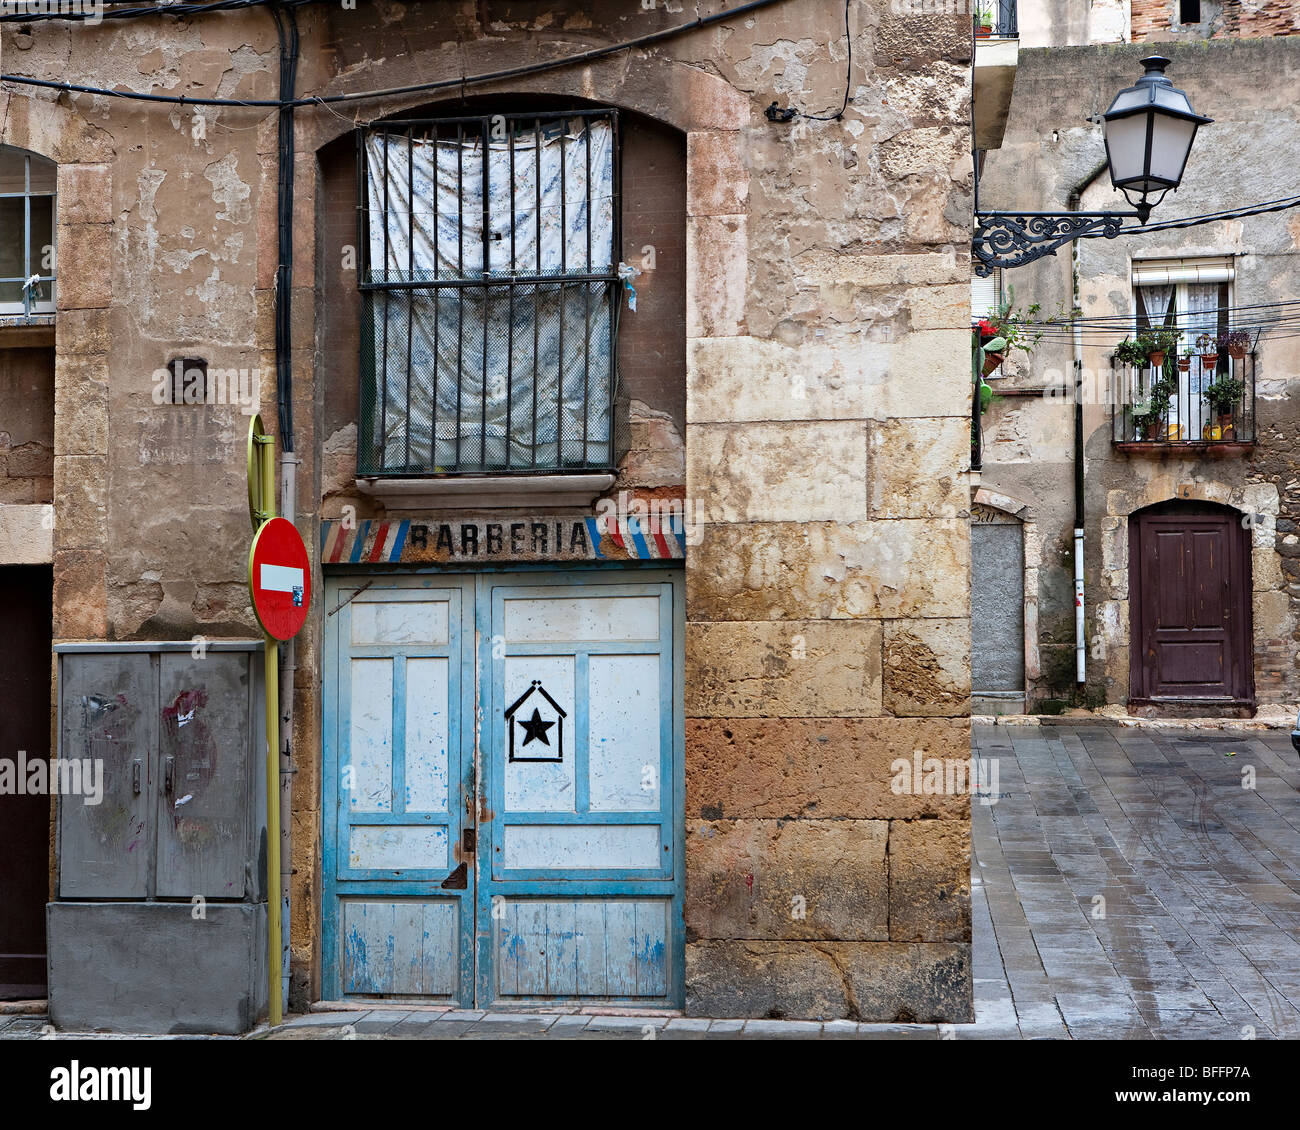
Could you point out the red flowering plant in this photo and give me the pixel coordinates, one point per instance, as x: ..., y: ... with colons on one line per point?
x: 1004, y: 328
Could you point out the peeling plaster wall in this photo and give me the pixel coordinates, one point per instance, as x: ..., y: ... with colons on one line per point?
x: 821, y: 426
x: 1246, y: 86
x: 1068, y: 23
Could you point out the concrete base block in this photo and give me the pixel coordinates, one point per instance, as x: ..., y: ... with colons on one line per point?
x: 866, y: 981
x: 154, y: 968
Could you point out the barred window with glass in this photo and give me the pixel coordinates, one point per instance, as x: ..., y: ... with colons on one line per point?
x: 490, y: 294
x: 27, y: 190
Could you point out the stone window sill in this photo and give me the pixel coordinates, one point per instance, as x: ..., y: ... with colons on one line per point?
x: 486, y: 492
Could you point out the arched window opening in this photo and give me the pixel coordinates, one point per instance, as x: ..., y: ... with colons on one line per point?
x: 27, y: 191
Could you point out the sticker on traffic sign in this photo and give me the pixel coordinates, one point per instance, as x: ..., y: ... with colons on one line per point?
x: 279, y: 578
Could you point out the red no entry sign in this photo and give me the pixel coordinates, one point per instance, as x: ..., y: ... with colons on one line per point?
x: 279, y: 578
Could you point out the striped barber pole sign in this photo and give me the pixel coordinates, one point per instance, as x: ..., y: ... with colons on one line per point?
x: 413, y: 541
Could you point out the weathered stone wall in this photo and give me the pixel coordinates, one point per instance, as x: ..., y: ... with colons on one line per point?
x: 828, y: 604
x: 1050, y: 151
x: 824, y: 415
x: 1155, y: 20
x: 27, y: 426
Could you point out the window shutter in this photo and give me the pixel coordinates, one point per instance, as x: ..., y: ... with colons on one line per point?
x: 983, y: 295
x: 1157, y: 272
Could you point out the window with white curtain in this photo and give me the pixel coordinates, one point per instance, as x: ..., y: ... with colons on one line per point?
x: 491, y: 288
x: 1193, y: 296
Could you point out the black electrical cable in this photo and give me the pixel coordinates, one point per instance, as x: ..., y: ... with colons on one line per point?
x: 415, y: 88
x: 176, y: 10
x: 286, y: 27
x: 1279, y: 205
x: 848, y: 77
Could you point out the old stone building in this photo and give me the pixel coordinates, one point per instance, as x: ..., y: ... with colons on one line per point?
x: 1191, y: 586
x: 626, y: 426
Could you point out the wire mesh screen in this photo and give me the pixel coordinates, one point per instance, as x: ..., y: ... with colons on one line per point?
x: 491, y: 294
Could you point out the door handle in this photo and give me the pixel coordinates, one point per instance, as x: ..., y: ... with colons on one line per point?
x: 135, y: 778
x: 168, y: 767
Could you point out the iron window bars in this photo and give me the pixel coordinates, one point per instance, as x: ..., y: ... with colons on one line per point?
x: 27, y: 191
x: 491, y: 294
x: 1006, y: 20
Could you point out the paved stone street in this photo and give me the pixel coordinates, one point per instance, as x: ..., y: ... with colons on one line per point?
x: 1198, y: 935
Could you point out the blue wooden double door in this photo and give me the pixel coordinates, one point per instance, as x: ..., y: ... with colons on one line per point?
x: 502, y: 787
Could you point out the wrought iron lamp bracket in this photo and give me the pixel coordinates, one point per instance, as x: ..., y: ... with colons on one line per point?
x: 1012, y: 239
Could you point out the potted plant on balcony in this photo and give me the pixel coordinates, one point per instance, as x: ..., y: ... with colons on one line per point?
x: 1209, y: 352
x: 983, y: 22
x: 1004, y: 329
x: 1133, y: 353
x: 1158, y: 344
x: 995, y: 351
x: 1236, y: 343
x: 1149, y: 413
x: 1184, y: 362
x: 1222, y: 396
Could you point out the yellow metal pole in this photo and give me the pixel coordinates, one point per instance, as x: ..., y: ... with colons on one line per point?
x: 275, y: 1004
x: 272, y: 654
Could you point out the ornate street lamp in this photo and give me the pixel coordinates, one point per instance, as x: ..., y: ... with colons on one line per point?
x: 1149, y: 130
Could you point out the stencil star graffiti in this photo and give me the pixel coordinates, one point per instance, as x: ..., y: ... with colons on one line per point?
x: 535, y: 727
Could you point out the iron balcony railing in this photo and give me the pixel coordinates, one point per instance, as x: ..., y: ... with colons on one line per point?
x: 491, y: 291
x: 1006, y: 20
x: 1166, y: 407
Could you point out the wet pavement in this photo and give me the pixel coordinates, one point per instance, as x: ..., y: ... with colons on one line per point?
x: 1127, y: 883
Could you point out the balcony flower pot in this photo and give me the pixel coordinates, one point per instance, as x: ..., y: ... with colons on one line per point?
x: 1185, y: 364
x: 991, y: 362
x: 983, y: 31
x: 1222, y: 395
x: 1236, y: 343
x: 1157, y: 358
x: 1150, y: 430
x: 1210, y: 360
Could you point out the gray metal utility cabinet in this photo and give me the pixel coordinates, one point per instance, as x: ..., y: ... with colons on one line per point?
x: 174, y: 855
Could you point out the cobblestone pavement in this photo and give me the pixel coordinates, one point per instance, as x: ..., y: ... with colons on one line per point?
x: 1198, y: 935
x: 1124, y: 886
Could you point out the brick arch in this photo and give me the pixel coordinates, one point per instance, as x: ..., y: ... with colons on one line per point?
x: 55, y: 130
x: 1007, y: 503
x: 1156, y: 492
x: 687, y: 98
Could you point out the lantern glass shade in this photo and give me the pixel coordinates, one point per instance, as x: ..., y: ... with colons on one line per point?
x: 1126, y: 148
x: 1149, y: 130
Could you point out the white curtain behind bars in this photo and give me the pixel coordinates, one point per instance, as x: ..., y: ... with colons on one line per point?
x: 467, y: 346
x: 1157, y: 299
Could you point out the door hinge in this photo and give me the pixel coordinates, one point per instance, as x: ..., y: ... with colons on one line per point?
x: 458, y: 880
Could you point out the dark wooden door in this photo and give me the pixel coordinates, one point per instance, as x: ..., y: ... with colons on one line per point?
x: 1189, y: 587
x: 25, y: 596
